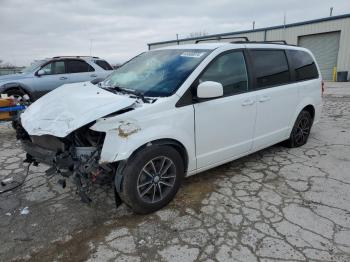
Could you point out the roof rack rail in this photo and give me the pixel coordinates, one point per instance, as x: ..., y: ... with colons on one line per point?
x: 223, y: 38
x: 74, y: 56
x: 277, y: 42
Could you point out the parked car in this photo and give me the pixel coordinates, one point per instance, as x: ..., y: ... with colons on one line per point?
x: 45, y: 75
x: 175, y: 112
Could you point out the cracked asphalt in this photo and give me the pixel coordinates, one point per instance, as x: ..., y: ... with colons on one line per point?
x: 275, y: 205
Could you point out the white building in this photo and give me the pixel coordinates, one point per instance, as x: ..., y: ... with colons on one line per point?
x: 328, y: 38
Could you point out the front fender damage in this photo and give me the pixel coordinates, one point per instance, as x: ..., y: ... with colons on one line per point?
x: 117, y: 138
x: 126, y: 128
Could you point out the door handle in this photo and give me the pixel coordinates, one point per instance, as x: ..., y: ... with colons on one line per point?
x: 93, y: 75
x: 248, y: 102
x: 63, y: 78
x: 264, y: 99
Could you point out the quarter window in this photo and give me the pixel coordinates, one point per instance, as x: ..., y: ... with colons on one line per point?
x: 303, y: 65
x: 103, y: 64
x: 54, y: 68
x: 270, y: 67
x: 78, y: 66
x: 229, y: 70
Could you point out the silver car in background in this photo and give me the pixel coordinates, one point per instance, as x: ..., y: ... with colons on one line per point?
x: 45, y: 75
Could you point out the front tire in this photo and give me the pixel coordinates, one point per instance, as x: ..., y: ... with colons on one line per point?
x: 301, y: 130
x: 152, y: 178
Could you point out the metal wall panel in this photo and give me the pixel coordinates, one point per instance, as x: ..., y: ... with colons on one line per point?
x: 325, y: 48
x: 291, y: 33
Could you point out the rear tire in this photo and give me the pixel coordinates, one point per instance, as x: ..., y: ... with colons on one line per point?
x: 301, y: 130
x: 152, y: 178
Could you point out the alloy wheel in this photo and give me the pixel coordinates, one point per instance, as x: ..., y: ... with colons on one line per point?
x: 302, y: 131
x: 156, y: 179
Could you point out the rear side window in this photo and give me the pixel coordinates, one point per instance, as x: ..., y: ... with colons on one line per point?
x: 78, y: 66
x: 303, y: 65
x: 230, y: 70
x: 270, y: 67
x: 103, y: 64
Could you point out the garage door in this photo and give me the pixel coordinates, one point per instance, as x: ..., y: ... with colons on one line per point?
x: 325, y: 48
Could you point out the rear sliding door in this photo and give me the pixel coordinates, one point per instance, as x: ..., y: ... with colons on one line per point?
x: 276, y: 96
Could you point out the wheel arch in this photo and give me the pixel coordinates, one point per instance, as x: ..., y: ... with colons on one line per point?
x: 177, y: 145
x: 306, y: 104
x: 311, y: 109
x: 16, y: 86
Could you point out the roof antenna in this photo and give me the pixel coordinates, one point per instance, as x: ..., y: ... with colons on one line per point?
x: 331, y: 11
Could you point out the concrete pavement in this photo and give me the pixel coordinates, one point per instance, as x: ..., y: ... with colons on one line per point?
x: 277, y: 204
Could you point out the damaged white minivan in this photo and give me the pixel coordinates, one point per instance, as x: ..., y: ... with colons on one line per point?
x: 174, y: 112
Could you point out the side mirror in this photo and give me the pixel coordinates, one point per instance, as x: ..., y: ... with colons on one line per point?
x: 40, y: 72
x: 209, y: 89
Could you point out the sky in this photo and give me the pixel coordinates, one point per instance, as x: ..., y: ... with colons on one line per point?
x: 117, y: 30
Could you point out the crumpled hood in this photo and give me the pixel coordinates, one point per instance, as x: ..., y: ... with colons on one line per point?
x: 70, y: 107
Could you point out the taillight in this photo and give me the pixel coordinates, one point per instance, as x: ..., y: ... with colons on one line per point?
x: 322, y: 87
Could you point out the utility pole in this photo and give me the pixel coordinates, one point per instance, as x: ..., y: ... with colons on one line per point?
x: 177, y: 39
x: 91, y: 46
x: 331, y: 11
x: 284, y: 24
x: 253, y: 25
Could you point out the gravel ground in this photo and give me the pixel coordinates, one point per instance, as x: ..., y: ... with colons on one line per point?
x: 275, y: 205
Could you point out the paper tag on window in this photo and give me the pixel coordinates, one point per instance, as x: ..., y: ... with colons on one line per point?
x: 192, y: 54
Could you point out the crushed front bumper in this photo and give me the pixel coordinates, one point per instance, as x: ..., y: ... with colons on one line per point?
x: 47, y: 156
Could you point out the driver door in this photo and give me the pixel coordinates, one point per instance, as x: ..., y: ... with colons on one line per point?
x: 54, y: 76
x: 225, y: 125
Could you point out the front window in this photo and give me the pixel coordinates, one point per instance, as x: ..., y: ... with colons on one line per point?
x: 229, y: 70
x: 54, y: 68
x: 157, y: 73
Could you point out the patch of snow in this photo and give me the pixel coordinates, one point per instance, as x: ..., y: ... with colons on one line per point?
x: 25, y: 211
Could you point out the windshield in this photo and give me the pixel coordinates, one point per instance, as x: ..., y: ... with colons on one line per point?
x: 157, y: 73
x: 33, y: 66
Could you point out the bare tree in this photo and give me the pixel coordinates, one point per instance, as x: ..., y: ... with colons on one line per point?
x: 6, y: 64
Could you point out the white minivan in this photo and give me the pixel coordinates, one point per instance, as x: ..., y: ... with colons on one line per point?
x: 174, y: 112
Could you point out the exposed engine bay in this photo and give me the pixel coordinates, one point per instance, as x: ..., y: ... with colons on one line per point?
x: 76, y: 155
x: 84, y: 132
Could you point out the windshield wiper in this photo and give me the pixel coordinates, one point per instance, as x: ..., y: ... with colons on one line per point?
x: 131, y: 91
x: 138, y: 94
x: 116, y: 88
